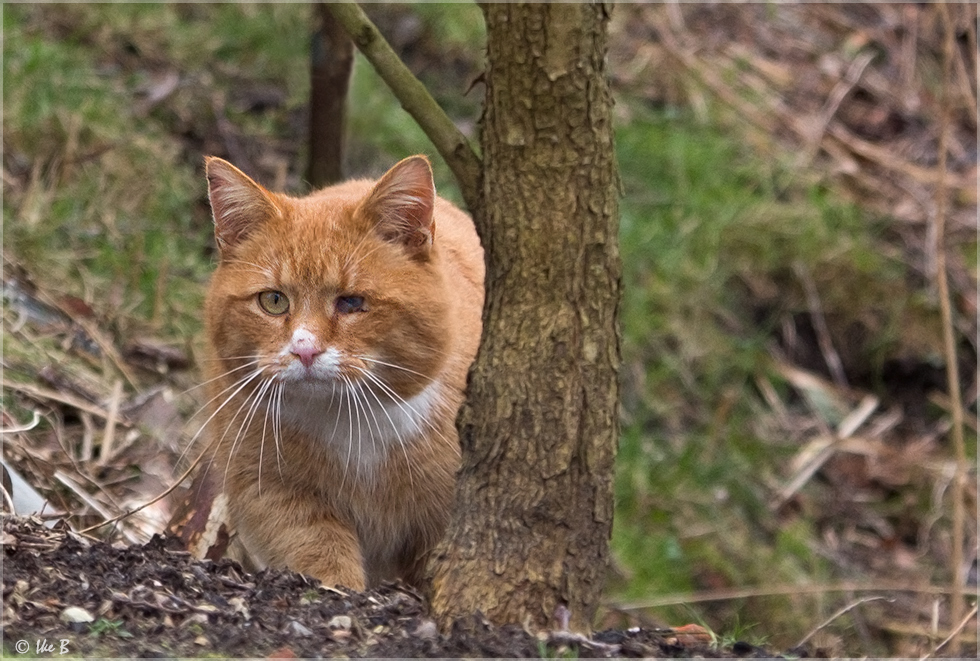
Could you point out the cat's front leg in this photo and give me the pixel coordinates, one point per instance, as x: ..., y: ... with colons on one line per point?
x: 328, y: 551
x: 315, y: 544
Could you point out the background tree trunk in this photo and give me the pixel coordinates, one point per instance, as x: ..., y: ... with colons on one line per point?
x: 331, y: 61
x: 533, y: 511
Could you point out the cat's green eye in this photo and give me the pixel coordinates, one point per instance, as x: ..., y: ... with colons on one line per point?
x: 274, y: 302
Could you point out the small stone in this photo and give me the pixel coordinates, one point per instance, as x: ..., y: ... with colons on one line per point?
x: 19, y: 595
x: 75, y: 614
x: 238, y: 605
x: 427, y: 630
x: 202, y: 641
x: 298, y: 629
x: 339, y: 622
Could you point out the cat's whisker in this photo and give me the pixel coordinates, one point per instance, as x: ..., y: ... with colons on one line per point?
x: 252, y: 397
x: 336, y: 418
x: 352, y: 252
x: 266, y: 385
x: 241, y: 383
x: 357, y: 417
x: 415, y: 414
x: 277, y: 427
x: 370, y: 409
x: 252, y: 363
x: 398, y: 434
x: 364, y: 237
x: 216, y: 445
x: 428, y: 379
x: 265, y: 424
x: 219, y: 359
x: 350, y: 438
x: 365, y: 408
x: 410, y: 411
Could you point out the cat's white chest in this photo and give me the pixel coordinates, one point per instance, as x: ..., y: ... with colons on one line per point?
x: 361, y: 426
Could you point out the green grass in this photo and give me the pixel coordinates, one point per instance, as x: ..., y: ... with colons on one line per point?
x: 104, y: 627
x: 702, y: 223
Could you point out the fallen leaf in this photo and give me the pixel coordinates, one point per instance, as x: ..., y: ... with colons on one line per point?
x: 690, y: 635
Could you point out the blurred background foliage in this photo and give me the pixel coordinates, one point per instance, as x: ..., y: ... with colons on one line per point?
x: 747, y: 270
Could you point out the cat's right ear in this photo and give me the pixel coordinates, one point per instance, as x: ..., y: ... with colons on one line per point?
x: 238, y: 204
x: 403, y: 201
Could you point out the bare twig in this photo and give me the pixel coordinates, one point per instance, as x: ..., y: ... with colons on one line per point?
x: 837, y: 96
x: 827, y: 447
x: 96, y: 334
x: 953, y: 634
x: 17, y: 428
x: 890, y: 161
x: 943, y: 402
x: 842, y: 611
x: 130, y: 533
x: 88, y: 436
x: 775, y: 591
x: 451, y: 144
x: 166, y: 492
x: 105, y: 453
x: 830, y: 355
x: 37, y: 392
x: 949, y: 341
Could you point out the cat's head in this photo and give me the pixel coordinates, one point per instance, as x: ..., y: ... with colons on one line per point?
x: 337, y: 290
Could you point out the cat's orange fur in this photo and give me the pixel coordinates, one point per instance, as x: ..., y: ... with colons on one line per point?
x: 334, y: 421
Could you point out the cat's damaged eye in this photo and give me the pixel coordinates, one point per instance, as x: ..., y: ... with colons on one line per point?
x: 349, y: 304
x: 274, y: 302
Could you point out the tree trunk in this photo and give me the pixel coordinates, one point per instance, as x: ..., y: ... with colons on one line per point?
x: 530, y: 531
x: 331, y: 60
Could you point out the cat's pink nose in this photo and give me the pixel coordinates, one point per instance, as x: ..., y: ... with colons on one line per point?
x: 306, y: 351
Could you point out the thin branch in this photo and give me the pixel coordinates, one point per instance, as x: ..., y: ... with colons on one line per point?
x: 836, y: 98
x: 36, y: 392
x: 773, y: 591
x: 451, y: 144
x: 831, y: 357
x: 166, y: 492
x: 827, y: 622
x: 953, y: 634
x: 952, y: 365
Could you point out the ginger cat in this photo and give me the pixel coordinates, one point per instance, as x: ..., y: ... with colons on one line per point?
x: 341, y: 327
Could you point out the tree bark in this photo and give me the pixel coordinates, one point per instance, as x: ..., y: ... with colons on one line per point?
x: 331, y: 61
x: 529, y: 536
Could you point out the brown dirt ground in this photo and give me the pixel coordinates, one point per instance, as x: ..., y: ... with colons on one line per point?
x: 156, y: 601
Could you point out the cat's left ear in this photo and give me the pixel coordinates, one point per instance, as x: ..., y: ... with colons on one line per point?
x: 402, y: 202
